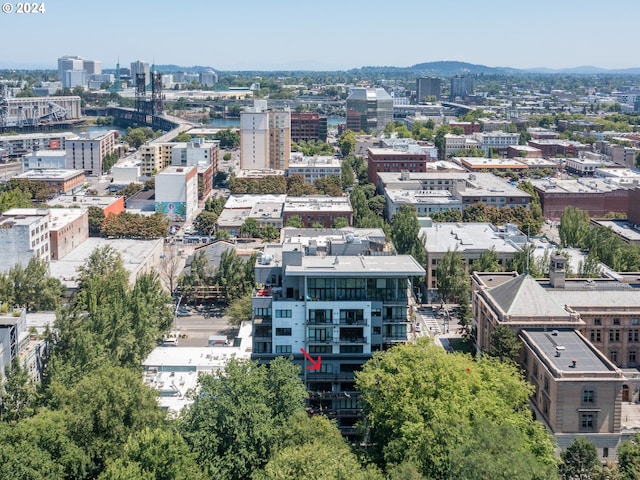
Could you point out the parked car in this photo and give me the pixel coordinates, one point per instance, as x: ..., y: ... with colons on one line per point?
x: 183, y: 312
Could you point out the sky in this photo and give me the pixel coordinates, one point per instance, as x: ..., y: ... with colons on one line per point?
x: 325, y: 34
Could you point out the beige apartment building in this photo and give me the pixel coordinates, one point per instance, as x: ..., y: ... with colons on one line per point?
x: 581, y: 342
x: 155, y: 157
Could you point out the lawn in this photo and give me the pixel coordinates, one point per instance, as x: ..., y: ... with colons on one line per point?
x: 461, y: 346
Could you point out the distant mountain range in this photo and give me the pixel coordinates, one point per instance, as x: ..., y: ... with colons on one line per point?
x: 445, y: 68
x: 440, y: 68
x: 450, y: 68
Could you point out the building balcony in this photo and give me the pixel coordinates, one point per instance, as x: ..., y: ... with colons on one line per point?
x: 327, y: 321
x: 262, y: 338
x: 394, y: 338
x: 353, y: 339
x: 262, y: 320
x: 324, y: 341
x: 362, y: 322
x: 335, y: 395
x: 398, y: 319
x: 342, y: 412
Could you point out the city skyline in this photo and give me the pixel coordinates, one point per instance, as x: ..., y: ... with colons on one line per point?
x: 328, y: 36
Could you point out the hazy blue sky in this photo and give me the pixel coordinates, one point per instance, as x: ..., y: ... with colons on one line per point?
x: 325, y: 34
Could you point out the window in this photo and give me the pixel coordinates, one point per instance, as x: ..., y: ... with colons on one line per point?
x: 587, y: 422
x: 283, y: 313
x: 614, y: 335
x: 616, y: 321
x: 633, y: 335
x: 597, y: 321
x: 351, y: 316
x: 283, y: 332
x: 320, y: 348
x: 588, y: 396
x: 546, y: 382
x: 262, y: 312
x: 320, y: 334
x: 632, y: 356
x: 283, y: 348
x: 320, y: 316
x: 350, y: 348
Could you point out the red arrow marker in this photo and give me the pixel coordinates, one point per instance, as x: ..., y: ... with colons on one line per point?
x: 315, y: 364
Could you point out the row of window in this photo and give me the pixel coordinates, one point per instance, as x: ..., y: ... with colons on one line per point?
x: 633, y: 336
x: 616, y: 321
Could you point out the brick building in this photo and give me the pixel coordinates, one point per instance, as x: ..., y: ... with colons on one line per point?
x: 60, y: 181
x: 597, y: 197
x: 308, y: 126
x: 320, y: 209
x: 391, y: 160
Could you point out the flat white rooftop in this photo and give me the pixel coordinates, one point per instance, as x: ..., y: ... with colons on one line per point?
x: 61, y: 217
x: 443, y: 237
x: 305, y: 204
x: 50, y: 174
x: 358, y: 266
x: 134, y: 254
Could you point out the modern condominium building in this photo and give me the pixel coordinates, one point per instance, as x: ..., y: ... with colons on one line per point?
x: 337, y: 296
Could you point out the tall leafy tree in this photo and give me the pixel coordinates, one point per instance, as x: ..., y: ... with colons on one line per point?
x: 32, y: 286
x: 447, y: 399
x: 156, y: 454
x: 295, y: 221
x: 629, y: 458
x: 347, y: 142
x: 579, y: 460
x: 488, y: 261
x: 574, y: 227
x: 45, y: 440
x: 233, y: 424
x: 452, y: 279
x: 404, y: 232
x: 504, y: 344
x: 105, y: 407
x: 18, y: 395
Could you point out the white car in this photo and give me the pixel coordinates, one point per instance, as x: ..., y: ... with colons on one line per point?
x: 188, y: 229
x: 418, y: 327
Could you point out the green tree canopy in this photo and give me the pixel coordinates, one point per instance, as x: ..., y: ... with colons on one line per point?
x: 504, y: 344
x: 234, y: 424
x: 446, y: 398
x: 156, y: 454
x: 295, y: 221
x: 404, y: 232
x: 579, y: 460
x: 228, y: 137
x: 629, y: 458
x: 488, y: 261
x: 347, y: 142
x: 574, y: 227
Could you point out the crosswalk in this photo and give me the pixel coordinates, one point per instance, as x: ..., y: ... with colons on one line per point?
x: 428, y: 320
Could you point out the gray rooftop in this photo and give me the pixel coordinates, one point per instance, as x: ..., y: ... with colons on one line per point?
x: 594, y: 294
x: 581, y: 185
x: 575, y: 348
x: 360, y: 266
x: 523, y: 296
